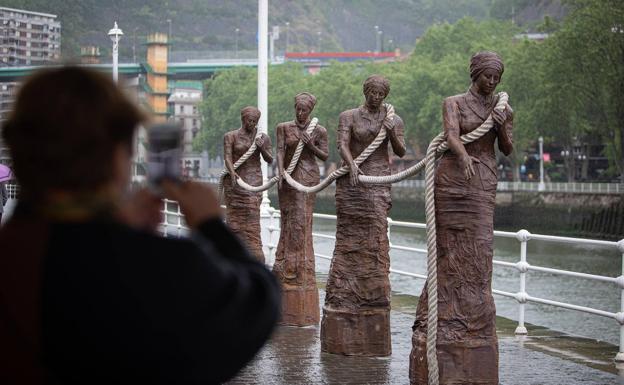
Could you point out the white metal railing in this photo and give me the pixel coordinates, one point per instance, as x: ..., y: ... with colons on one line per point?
x: 12, y: 190
x: 522, y: 266
x: 173, y: 221
x: 573, y: 187
x: 174, y: 225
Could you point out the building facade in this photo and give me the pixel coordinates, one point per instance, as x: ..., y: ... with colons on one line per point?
x: 7, y: 96
x: 184, y: 105
x: 28, y: 38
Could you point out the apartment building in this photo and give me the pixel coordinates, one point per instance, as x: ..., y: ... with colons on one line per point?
x: 28, y: 38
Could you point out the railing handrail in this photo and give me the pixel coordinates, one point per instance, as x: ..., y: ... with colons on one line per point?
x: 569, y: 187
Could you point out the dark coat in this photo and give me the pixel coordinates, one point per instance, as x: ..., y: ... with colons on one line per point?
x: 101, y: 303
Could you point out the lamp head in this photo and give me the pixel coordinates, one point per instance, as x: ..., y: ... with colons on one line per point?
x: 115, y: 33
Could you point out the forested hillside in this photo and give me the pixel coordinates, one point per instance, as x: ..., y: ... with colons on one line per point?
x: 204, y: 25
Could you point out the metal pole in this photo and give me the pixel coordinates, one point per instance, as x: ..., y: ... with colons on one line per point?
x: 319, y: 41
x: 287, y: 33
x: 541, y: 186
x: 237, y: 30
x: 115, y: 33
x: 263, y: 90
x: 134, y: 44
x: 376, y: 39
x: 115, y: 58
x: 523, y: 237
x: 169, y: 37
x: 619, y: 357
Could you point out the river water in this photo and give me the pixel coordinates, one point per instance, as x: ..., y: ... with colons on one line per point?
x: 586, y: 259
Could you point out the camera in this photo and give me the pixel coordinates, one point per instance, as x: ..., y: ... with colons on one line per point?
x: 163, y: 153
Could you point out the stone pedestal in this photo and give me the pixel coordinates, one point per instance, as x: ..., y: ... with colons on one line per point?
x: 300, y: 306
x: 473, y: 361
x: 356, y: 333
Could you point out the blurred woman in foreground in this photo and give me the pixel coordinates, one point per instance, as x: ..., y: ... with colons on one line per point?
x: 88, y: 292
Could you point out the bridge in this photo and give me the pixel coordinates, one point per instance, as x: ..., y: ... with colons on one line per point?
x: 183, y: 70
x: 194, y: 65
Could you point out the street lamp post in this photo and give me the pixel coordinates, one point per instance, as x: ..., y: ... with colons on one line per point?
x: 287, y: 33
x: 263, y: 88
x: 169, y: 37
x: 115, y: 34
x: 134, y: 44
x: 237, y: 30
x: 319, y: 41
x: 541, y: 186
x: 376, y: 39
x: 380, y: 38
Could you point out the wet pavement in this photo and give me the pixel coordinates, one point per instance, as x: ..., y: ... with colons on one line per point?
x: 293, y: 356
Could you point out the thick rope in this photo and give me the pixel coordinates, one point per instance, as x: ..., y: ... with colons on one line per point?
x: 432, y: 268
x: 291, y: 166
x: 344, y: 170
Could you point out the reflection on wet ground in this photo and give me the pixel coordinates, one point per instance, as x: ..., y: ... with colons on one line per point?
x: 293, y: 356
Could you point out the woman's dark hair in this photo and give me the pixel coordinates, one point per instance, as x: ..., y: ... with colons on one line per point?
x: 64, y: 128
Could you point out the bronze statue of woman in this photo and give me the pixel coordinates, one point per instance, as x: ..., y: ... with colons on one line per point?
x: 356, y: 315
x: 465, y: 191
x: 242, y: 206
x: 294, y: 259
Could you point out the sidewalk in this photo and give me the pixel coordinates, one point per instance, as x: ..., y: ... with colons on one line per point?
x: 293, y: 356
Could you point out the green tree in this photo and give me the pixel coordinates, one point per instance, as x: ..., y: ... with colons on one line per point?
x: 583, y: 84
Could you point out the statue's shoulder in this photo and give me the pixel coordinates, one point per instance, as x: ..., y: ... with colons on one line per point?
x: 320, y: 129
x: 454, y: 99
x: 397, y: 119
x: 349, y: 115
x: 230, y: 134
x: 283, y: 125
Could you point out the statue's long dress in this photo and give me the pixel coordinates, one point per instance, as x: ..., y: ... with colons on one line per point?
x: 294, y: 259
x: 242, y: 206
x: 467, y: 347
x: 356, y: 315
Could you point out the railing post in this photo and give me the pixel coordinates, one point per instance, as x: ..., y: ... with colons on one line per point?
x: 619, y: 357
x: 179, y: 221
x: 265, y: 223
x: 523, y: 237
x: 166, y: 225
x: 389, y: 225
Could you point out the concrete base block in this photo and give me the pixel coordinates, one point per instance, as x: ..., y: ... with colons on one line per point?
x: 300, y: 306
x: 356, y: 333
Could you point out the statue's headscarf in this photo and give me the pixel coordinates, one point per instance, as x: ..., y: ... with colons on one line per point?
x: 306, y: 99
x: 485, y: 60
x: 376, y: 81
x: 250, y: 111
